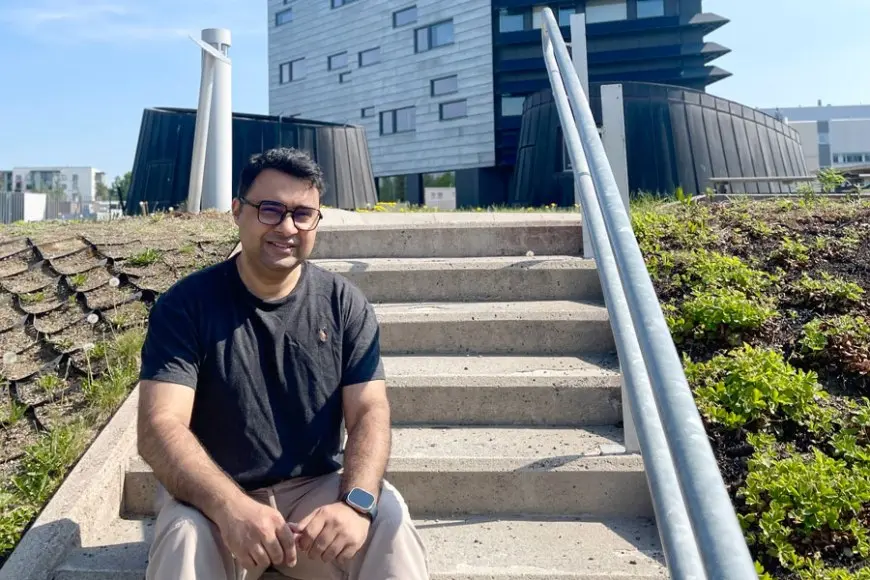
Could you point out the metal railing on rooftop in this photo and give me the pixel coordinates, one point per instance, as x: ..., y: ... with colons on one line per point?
x: 699, y: 530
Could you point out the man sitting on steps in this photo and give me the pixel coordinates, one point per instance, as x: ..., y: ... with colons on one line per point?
x: 248, y: 369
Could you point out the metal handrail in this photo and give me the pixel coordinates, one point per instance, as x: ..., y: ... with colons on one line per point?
x: 699, y: 530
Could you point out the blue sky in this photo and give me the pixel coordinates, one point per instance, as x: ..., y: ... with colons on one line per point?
x: 76, y: 74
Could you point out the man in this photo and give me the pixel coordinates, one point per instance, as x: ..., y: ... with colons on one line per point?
x: 248, y: 369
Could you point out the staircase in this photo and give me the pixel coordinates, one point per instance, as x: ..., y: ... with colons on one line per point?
x: 505, y: 394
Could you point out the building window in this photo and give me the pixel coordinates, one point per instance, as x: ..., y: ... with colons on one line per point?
x: 512, y: 106
x: 511, y: 19
x: 340, y: 3
x: 606, y: 10
x: 367, y: 112
x: 824, y: 138
x: 292, y: 71
x: 405, y: 16
x: 344, y: 77
x: 650, y: 8
x: 444, y: 86
x: 284, y: 17
x: 370, y: 57
x: 453, y: 110
x: 398, y: 121
x: 337, y: 61
x: 565, y: 16
x: 75, y: 182
x: 433, y: 36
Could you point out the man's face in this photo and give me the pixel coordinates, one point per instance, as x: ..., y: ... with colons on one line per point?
x: 279, y: 247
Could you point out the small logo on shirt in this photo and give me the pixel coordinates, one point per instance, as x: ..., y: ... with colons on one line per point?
x: 322, y: 335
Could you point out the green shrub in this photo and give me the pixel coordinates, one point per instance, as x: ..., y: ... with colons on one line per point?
x: 800, y: 500
x: 14, y: 516
x: 843, y: 341
x: 720, y: 313
x: 751, y: 385
x: 791, y: 252
x: 827, y: 292
x: 657, y: 230
x: 706, y: 270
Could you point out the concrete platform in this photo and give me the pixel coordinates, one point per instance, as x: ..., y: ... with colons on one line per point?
x: 528, y: 328
x: 467, y: 470
x: 472, y: 279
x: 504, y: 390
x: 465, y: 549
x: 452, y: 239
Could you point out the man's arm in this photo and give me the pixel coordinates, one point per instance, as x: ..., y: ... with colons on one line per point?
x: 174, y: 453
x: 367, y: 451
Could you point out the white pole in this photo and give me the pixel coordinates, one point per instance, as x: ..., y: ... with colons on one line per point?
x: 613, y: 118
x: 197, y: 163
x: 580, y: 59
x: 218, y: 174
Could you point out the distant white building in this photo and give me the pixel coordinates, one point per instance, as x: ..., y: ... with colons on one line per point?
x: 831, y: 136
x: 78, y: 183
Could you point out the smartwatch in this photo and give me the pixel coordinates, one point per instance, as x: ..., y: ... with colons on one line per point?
x: 362, y: 501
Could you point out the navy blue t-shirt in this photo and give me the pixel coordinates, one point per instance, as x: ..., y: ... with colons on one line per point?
x: 268, y: 375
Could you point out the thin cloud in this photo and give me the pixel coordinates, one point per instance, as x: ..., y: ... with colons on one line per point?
x: 129, y: 21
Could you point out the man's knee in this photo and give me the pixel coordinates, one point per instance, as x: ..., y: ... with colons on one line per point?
x: 392, y: 509
x: 180, y: 528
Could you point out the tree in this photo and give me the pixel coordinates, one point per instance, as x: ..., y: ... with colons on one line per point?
x: 103, y: 193
x: 121, y: 186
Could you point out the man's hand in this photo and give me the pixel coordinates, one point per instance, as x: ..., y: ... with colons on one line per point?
x: 257, y: 535
x: 333, y: 532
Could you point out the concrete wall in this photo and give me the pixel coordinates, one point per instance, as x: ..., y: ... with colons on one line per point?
x: 850, y: 136
x: 809, y: 133
x: 401, y: 78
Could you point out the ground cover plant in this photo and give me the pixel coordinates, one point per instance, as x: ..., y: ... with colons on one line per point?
x: 767, y: 303
x: 74, y: 300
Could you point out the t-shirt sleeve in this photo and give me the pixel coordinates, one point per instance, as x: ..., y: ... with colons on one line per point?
x: 361, y: 358
x: 170, y: 353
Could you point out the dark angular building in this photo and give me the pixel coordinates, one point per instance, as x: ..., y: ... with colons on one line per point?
x: 653, y: 41
x: 161, y: 168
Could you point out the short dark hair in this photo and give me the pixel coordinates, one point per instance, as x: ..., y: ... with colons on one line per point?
x: 293, y: 162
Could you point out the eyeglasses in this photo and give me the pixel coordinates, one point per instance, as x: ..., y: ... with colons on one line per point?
x: 272, y: 213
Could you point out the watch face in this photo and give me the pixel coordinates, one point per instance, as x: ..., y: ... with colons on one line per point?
x: 361, y: 498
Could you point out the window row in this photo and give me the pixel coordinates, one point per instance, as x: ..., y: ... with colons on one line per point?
x: 401, y: 17
x: 613, y: 10
x: 518, y: 19
x: 426, y: 38
x: 404, y: 120
x: 841, y: 158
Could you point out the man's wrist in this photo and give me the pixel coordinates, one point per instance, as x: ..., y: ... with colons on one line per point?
x: 361, y: 501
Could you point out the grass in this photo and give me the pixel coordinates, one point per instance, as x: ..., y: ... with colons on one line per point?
x: 767, y: 303
x: 51, y: 409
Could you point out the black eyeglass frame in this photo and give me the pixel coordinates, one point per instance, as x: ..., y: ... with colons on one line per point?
x: 291, y: 212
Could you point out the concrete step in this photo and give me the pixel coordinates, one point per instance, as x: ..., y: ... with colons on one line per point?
x: 504, y: 390
x: 472, y: 279
x: 466, y: 549
x: 553, y: 327
x: 459, y: 471
x: 450, y: 240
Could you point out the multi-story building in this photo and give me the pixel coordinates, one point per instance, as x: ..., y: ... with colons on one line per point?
x: 5, y: 180
x: 831, y: 136
x: 77, y: 183
x: 439, y: 85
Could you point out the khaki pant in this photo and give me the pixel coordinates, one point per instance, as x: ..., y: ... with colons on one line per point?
x: 188, y: 546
